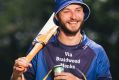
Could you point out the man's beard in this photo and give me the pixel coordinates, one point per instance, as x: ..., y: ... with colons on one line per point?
x: 70, y: 32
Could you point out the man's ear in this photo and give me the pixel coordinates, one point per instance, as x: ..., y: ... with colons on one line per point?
x: 56, y: 17
x: 56, y: 20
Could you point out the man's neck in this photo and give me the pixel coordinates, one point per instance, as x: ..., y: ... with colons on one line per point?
x: 70, y: 39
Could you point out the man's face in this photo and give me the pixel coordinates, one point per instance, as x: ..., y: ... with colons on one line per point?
x: 71, y: 18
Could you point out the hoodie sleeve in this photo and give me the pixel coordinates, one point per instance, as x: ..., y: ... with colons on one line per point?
x: 103, y: 66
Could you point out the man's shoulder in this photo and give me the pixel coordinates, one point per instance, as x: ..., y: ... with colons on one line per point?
x: 93, y: 44
x: 90, y: 42
x: 96, y: 47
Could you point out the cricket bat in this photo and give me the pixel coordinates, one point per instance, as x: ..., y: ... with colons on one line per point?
x: 42, y: 38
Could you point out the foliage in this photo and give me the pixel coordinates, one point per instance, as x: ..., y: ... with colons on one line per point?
x: 21, y: 20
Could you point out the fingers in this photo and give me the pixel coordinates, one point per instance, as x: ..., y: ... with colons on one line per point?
x: 21, y: 65
x: 62, y: 75
x: 22, y: 62
x: 60, y: 78
x: 65, y: 76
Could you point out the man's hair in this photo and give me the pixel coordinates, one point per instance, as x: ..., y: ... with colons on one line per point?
x: 61, y: 4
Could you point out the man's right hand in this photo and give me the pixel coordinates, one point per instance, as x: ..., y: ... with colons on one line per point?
x: 21, y: 65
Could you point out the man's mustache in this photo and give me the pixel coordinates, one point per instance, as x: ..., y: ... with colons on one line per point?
x: 73, y: 20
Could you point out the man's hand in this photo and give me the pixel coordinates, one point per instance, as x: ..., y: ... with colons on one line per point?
x: 65, y: 76
x: 21, y: 65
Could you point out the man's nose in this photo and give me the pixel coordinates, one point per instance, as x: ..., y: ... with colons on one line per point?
x: 73, y: 15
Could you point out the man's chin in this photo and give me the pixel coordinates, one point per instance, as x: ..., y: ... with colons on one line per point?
x: 71, y: 32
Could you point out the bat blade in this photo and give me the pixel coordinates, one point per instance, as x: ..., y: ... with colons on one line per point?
x: 43, y: 37
x: 49, y: 24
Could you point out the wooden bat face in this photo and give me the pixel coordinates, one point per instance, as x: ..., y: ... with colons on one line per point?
x: 49, y: 24
x: 42, y: 38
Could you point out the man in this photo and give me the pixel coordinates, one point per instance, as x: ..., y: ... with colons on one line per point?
x: 81, y: 57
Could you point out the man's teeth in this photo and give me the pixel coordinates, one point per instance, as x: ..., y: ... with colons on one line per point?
x: 72, y: 22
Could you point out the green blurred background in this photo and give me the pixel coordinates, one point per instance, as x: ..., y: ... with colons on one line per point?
x: 21, y: 20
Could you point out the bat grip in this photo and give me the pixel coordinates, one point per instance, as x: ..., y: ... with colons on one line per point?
x: 34, y: 51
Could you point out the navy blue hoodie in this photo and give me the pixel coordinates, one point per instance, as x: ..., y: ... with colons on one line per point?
x: 87, y: 57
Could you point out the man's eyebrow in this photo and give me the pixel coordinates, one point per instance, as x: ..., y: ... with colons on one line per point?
x: 66, y: 9
x: 80, y: 7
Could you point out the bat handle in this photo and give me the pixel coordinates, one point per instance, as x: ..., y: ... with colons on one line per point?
x: 34, y: 51
x: 41, y: 39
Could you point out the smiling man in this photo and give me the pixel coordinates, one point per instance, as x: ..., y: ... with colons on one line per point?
x: 80, y: 56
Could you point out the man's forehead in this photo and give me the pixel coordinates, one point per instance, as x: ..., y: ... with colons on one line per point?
x: 74, y: 6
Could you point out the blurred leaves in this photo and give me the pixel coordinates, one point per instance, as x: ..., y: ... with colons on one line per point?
x: 21, y: 20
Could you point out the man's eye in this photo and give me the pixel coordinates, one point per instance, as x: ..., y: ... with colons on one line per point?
x: 78, y: 10
x: 65, y: 11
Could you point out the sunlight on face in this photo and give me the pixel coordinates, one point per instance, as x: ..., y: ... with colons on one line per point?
x: 71, y: 17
